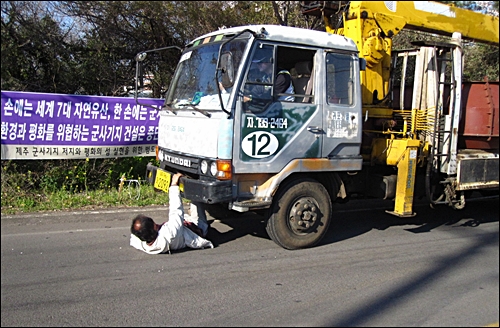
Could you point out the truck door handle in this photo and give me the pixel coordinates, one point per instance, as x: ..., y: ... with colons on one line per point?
x: 314, y: 129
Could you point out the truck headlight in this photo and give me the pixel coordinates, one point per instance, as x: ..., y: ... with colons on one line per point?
x: 213, y: 169
x: 204, y: 167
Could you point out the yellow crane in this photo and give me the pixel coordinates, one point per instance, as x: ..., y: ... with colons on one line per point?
x: 427, y: 135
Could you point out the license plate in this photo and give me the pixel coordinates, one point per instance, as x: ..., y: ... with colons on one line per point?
x: 162, y: 180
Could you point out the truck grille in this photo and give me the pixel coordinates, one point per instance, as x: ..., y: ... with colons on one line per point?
x: 179, y: 161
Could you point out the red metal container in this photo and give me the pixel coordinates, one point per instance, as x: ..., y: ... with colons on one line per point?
x: 479, y: 122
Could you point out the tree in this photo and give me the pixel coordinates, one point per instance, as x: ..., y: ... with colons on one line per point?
x: 35, y: 53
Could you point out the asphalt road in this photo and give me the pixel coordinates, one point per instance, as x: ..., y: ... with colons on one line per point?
x: 438, y: 269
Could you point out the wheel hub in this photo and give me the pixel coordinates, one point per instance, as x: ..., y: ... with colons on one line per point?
x: 303, y: 215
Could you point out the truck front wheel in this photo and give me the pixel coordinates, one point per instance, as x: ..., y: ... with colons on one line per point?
x: 300, y: 215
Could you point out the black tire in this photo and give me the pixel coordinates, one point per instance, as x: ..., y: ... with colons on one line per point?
x: 300, y: 215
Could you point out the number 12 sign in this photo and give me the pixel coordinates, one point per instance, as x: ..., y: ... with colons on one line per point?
x: 260, y: 144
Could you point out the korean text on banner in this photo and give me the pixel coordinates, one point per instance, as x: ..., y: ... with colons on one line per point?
x: 58, y: 126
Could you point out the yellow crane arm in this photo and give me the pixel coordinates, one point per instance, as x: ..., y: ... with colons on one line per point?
x: 428, y: 16
x: 372, y: 24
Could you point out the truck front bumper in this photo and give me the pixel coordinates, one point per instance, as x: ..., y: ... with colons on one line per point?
x: 209, y: 192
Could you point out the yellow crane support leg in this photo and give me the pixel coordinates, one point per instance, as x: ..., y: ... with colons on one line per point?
x: 407, y: 166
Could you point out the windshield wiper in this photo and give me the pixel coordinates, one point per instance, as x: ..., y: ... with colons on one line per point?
x: 207, y: 114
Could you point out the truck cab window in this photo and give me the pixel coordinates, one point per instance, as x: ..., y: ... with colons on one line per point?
x: 270, y: 77
x: 339, y: 79
x: 257, y: 93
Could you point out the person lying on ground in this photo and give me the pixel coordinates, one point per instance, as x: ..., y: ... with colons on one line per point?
x: 178, y: 232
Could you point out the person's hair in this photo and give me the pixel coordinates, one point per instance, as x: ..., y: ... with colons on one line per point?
x: 146, y: 228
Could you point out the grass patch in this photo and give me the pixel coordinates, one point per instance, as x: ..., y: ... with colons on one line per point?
x: 23, y: 201
x: 58, y: 185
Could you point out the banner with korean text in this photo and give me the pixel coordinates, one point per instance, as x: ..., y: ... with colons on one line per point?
x: 59, y: 126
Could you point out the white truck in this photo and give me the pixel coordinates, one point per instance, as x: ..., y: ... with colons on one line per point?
x: 291, y: 160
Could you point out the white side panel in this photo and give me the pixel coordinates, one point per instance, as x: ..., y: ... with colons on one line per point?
x: 190, y: 135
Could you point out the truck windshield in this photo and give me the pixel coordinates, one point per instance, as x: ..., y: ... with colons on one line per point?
x: 194, y: 81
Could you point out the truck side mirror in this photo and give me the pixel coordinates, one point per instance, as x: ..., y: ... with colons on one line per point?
x: 227, y: 69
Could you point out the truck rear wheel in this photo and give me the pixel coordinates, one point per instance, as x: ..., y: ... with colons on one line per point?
x: 300, y: 215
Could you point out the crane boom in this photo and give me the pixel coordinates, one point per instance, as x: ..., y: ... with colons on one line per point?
x: 372, y: 24
x: 429, y: 16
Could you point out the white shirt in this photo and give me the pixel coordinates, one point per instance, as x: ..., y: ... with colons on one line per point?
x: 172, y: 234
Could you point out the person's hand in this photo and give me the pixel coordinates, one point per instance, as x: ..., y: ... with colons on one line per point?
x: 247, y: 99
x: 175, y: 179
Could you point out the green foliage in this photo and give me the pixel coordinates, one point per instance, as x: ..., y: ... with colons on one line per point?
x: 143, y: 195
x: 78, y: 175
x: 35, y: 54
x: 63, y: 184
x: 481, y: 60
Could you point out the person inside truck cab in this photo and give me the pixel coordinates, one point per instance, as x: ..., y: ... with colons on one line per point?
x: 178, y: 232
x: 262, y: 72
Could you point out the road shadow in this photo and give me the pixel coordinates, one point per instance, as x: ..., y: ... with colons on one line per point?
x: 349, y: 222
x: 360, y: 216
x: 240, y: 225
